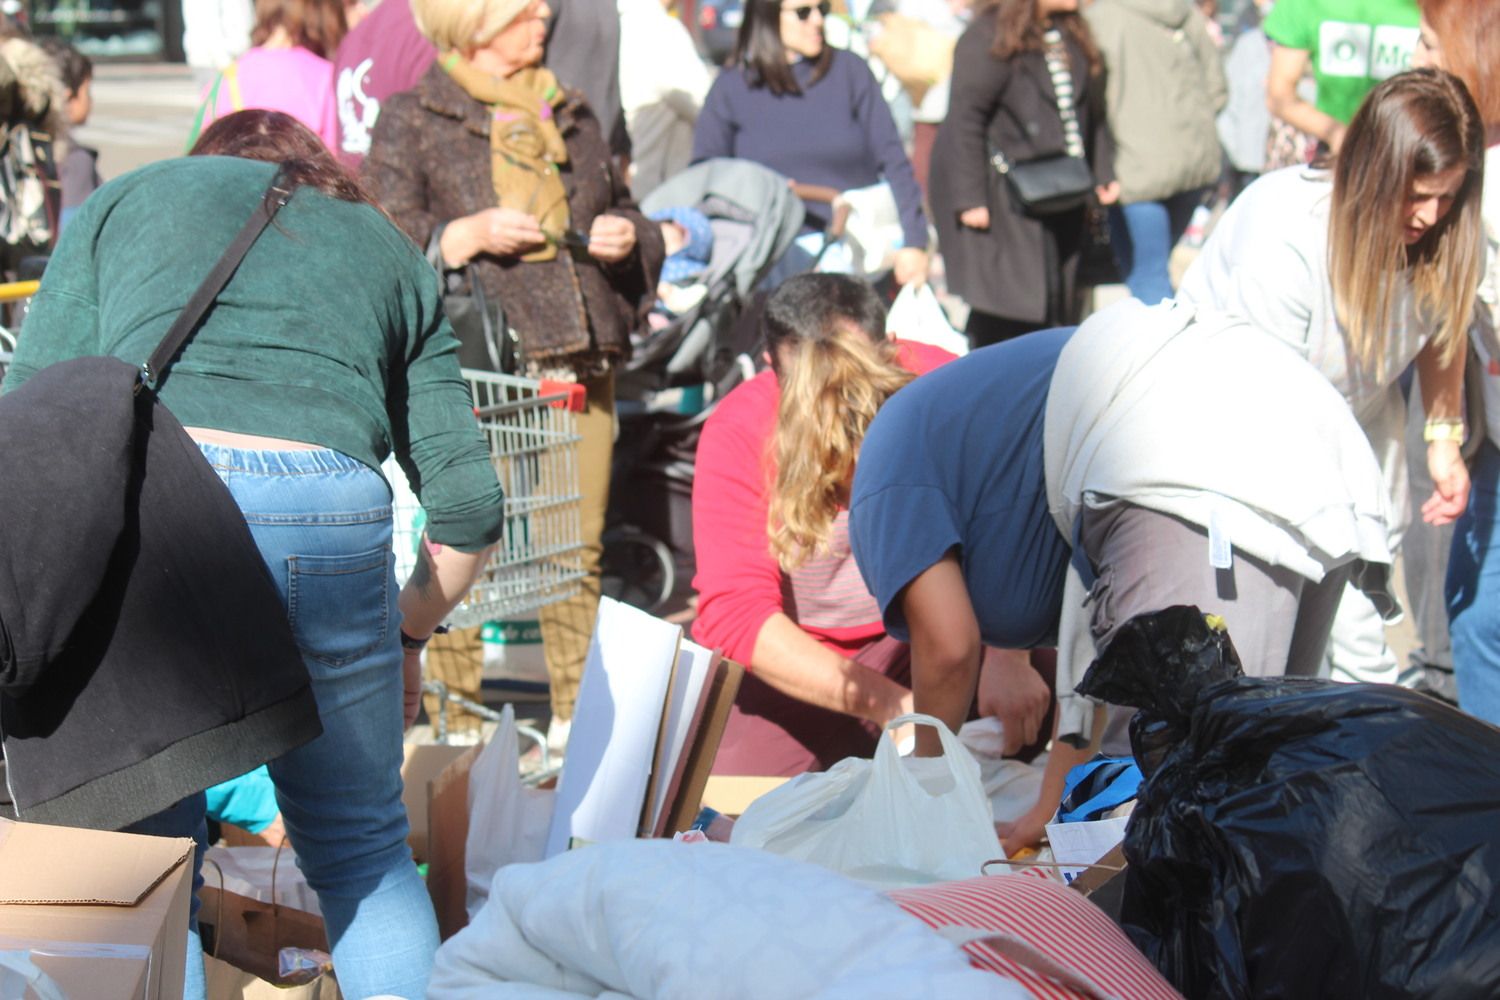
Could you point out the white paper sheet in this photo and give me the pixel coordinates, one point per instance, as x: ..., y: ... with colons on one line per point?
x: 1084, y: 843
x: 615, y: 724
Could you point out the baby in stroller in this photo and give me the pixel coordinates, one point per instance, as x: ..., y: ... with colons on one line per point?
x: 690, y: 245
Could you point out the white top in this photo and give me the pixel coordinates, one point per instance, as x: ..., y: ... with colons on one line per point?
x: 1267, y: 261
x: 1487, y: 316
x: 663, y: 82
x: 1168, y: 407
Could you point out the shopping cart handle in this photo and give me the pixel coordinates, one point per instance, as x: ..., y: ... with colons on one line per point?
x: 575, y: 397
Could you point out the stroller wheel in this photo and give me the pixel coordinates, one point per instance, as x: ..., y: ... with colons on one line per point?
x: 637, y: 569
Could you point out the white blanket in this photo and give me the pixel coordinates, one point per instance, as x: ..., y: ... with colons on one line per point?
x: 658, y: 919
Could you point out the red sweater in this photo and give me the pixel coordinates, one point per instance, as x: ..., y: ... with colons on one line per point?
x: 739, y: 584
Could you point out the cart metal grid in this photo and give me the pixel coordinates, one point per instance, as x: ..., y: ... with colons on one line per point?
x: 531, y: 429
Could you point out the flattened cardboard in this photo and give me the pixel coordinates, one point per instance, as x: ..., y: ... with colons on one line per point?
x: 448, y: 833
x: 699, y: 760
x: 423, y: 763
x: 101, y: 905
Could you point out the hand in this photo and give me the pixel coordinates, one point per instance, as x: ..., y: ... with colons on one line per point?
x: 1335, y: 137
x: 1012, y: 691
x: 975, y: 218
x: 411, y: 686
x: 910, y: 267
x: 503, y: 232
x: 906, y: 732
x: 1108, y: 194
x: 1450, y: 480
x: 611, y: 238
x: 1024, y: 832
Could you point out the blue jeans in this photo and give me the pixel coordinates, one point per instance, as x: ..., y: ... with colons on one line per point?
x: 323, y: 525
x: 1473, y: 592
x: 1142, y: 236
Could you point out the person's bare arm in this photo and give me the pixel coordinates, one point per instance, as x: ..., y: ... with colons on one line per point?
x: 1442, y: 399
x: 796, y: 664
x: 438, y: 582
x: 1287, y: 69
x: 945, y: 648
x: 1027, y: 831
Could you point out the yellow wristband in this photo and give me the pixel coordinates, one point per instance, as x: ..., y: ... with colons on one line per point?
x: 1443, y: 430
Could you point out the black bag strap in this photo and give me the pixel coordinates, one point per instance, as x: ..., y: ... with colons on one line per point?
x: 274, y: 199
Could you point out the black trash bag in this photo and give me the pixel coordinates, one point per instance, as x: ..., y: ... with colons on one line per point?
x: 1301, y: 838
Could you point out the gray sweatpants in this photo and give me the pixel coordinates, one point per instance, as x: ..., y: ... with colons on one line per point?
x: 1146, y: 561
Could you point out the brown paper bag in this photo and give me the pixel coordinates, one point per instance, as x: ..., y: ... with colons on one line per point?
x: 917, y: 54
x: 248, y: 936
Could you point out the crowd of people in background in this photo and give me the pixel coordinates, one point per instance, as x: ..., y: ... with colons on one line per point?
x: 1307, y: 375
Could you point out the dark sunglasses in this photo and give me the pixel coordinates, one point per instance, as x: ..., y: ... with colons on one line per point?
x: 803, y: 13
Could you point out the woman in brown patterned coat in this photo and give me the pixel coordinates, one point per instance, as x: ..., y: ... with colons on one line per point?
x: 506, y: 175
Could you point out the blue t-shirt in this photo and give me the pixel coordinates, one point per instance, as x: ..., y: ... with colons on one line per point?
x: 955, y: 460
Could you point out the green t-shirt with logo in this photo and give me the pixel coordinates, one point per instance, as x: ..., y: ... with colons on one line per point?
x: 1354, y: 44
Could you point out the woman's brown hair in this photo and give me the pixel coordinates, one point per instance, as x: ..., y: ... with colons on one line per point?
x: 1469, y: 34
x: 1019, y: 28
x: 274, y: 137
x: 1414, y: 124
x: 826, y: 337
x: 316, y: 25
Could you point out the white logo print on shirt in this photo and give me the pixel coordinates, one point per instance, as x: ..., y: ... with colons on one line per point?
x: 357, y: 111
x: 1363, y: 50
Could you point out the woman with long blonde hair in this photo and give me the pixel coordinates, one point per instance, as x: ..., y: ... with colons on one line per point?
x: 1365, y: 267
x: 1463, y: 37
x: 777, y: 585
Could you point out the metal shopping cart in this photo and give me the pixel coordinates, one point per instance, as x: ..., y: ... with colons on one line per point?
x: 531, y: 428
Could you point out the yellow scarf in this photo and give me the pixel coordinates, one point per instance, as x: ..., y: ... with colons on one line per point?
x: 526, y: 145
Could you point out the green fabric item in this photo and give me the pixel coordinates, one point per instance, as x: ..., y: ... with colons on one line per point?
x: 1354, y: 44
x: 331, y: 332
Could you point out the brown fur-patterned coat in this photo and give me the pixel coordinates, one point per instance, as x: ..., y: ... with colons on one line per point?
x: 429, y: 163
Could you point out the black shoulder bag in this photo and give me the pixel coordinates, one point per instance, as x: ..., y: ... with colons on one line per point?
x: 133, y: 598
x: 1051, y: 184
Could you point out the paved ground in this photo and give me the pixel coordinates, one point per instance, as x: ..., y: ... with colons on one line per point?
x: 143, y: 112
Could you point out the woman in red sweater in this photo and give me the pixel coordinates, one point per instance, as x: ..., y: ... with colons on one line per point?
x: 777, y: 586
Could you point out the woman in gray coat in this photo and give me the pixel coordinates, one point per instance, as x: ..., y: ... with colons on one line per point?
x: 1016, y: 69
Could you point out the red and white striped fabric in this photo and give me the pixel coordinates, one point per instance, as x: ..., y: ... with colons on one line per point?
x: 1054, y: 920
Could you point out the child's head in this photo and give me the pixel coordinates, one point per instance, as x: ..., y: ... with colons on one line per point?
x: 77, y: 73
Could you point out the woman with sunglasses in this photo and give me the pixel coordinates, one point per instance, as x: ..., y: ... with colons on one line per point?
x: 1368, y: 267
x: 1027, y: 83
x: 814, y: 114
x: 1463, y: 37
x: 505, y: 175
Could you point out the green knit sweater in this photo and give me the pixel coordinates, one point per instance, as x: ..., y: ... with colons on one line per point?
x: 331, y: 332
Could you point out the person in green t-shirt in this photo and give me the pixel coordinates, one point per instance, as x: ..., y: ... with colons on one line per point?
x: 1351, y: 45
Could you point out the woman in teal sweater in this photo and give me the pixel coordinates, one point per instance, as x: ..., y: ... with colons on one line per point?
x: 326, y: 351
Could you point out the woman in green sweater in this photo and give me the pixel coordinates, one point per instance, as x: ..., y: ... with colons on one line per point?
x: 326, y: 351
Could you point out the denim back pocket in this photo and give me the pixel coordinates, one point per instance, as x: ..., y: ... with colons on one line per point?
x: 339, y: 606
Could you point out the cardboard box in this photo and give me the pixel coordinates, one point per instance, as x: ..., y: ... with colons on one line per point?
x: 423, y: 764
x: 104, y: 914
x: 731, y: 794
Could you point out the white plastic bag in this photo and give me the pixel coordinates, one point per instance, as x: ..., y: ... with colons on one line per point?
x: 917, y: 315
x: 508, y: 821
x: 889, y: 822
x: 873, y: 231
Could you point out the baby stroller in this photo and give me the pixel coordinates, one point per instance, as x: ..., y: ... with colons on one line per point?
x: 677, y: 373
